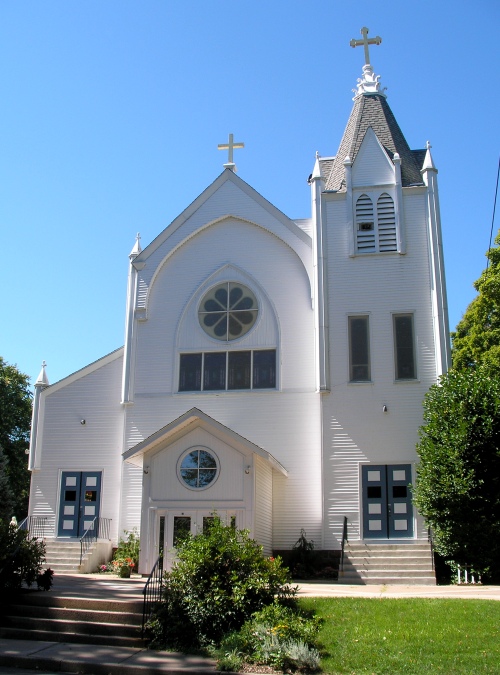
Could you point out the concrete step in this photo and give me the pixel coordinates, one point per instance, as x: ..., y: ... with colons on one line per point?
x: 385, y: 563
x: 97, y: 617
x: 37, y: 616
x: 388, y: 580
x: 74, y: 636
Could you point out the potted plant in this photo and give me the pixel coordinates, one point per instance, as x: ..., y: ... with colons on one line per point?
x: 123, y: 567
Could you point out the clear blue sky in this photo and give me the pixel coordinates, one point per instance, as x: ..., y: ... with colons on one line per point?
x: 111, y: 112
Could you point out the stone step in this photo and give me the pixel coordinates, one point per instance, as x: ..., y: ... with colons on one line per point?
x: 388, y: 580
x: 385, y: 563
x: 56, y: 635
x: 91, y: 616
x: 47, y: 600
x: 36, y: 616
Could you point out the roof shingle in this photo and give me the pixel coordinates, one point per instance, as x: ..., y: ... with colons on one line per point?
x: 372, y: 110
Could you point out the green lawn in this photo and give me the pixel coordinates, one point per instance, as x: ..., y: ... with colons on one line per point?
x: 411, y: 635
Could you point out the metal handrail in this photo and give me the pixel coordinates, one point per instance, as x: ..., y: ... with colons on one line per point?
x: 35, y: 525
x: 430, y: 539
x: 152, y: 591
x: 344, y: 539
x: 99, y: 529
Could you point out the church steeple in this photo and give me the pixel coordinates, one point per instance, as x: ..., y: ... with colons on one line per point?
x: 372, y: 110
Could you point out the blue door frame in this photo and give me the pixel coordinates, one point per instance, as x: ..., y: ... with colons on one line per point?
x: 387, y: 507
x: 79, y: 502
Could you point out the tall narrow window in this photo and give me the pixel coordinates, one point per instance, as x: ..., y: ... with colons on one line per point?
x: 359, y: 349
x: 264, y: 369
x: 190, y: 372
x: 386, y: 220
x: 239, y: 369
x: 404, y: 350
x: 214, y: 371
x: 365, y: 224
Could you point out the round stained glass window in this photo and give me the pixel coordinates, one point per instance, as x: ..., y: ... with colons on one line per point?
x: 198, y: 468
x: 228, y: 311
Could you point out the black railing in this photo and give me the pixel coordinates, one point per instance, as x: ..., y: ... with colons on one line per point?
x: 37, y: 526
x: 344, y: 539
x: 99, y: 529
x: 430, y: 539
x: 152, y: 591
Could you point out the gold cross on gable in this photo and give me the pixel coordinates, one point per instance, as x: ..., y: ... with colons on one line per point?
x: 230, y: 146
x: 365, y: 42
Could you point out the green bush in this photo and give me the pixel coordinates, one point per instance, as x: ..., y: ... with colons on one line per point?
x: 219, y: 580
x: 21, y: 559
x: 277, y: 636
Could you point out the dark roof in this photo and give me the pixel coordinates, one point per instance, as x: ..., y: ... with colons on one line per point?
x: 372, y: 110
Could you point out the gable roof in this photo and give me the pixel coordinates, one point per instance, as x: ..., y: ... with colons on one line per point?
x: 372, y: 110
x: 226, y: 175
x: 191, y: 419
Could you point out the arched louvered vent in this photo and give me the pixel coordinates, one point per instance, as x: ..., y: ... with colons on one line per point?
x: 365, y: 225
x: 386, y: 218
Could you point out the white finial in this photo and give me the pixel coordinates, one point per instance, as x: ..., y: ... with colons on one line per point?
x: 137, y: 247
x: 230, y: 146
x: 317, y: 169
x: 42, y: 380
x: 369, y: 83
x: 428, y: 161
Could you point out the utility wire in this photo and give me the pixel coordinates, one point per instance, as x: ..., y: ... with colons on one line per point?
x: 494, y: 209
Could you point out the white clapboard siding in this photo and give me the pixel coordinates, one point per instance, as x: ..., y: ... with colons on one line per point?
x: 286, y: 311
x: 356, y: 430
x: 287, y: 425
x: 92, y: 395
x: 263, y: 530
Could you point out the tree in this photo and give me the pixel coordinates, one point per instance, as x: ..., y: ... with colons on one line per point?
x: 458, y: 480
x: 477, y: 336
x: 15, y: 420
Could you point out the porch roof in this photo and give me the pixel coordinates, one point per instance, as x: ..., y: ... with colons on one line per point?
x: 189, y: 420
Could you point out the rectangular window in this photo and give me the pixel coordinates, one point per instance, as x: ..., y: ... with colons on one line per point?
x: 359, y: 349
x: 264, y: 369
x: 190, y: 372
x: 214, y: 371
x: 244, y: 370
x: 404, y: 350
x: 239, y: 369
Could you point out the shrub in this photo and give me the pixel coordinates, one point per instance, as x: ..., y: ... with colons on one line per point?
x: 219, y: 580
x: 21, y: 559
x: 277, y: 636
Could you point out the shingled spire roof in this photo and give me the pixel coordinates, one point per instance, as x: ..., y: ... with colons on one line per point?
x: 372, y: 110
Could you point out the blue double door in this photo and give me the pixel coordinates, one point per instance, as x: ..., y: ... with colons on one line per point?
x: 387, y: 506
x: 79, y: 502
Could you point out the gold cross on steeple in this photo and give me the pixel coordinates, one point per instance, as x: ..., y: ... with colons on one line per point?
x: 230, y: 146
x: 365, y: 42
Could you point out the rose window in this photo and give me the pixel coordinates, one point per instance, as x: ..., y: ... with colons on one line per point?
x: 228, y: 311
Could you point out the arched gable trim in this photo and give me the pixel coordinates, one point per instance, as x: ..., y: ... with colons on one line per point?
x: 142, y: 300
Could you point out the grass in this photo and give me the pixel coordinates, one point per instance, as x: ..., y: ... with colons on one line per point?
x: 410, y: 635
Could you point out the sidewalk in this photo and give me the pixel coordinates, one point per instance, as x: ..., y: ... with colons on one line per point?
x: 56, y: 657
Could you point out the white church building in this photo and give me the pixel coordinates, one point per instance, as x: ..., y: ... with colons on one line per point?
x: 273, y: 369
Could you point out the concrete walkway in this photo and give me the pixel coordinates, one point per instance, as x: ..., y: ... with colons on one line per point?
x: 56, y: 657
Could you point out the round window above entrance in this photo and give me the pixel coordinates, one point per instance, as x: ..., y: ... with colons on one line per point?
x: 228, y: 311
x: 198, y: 468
